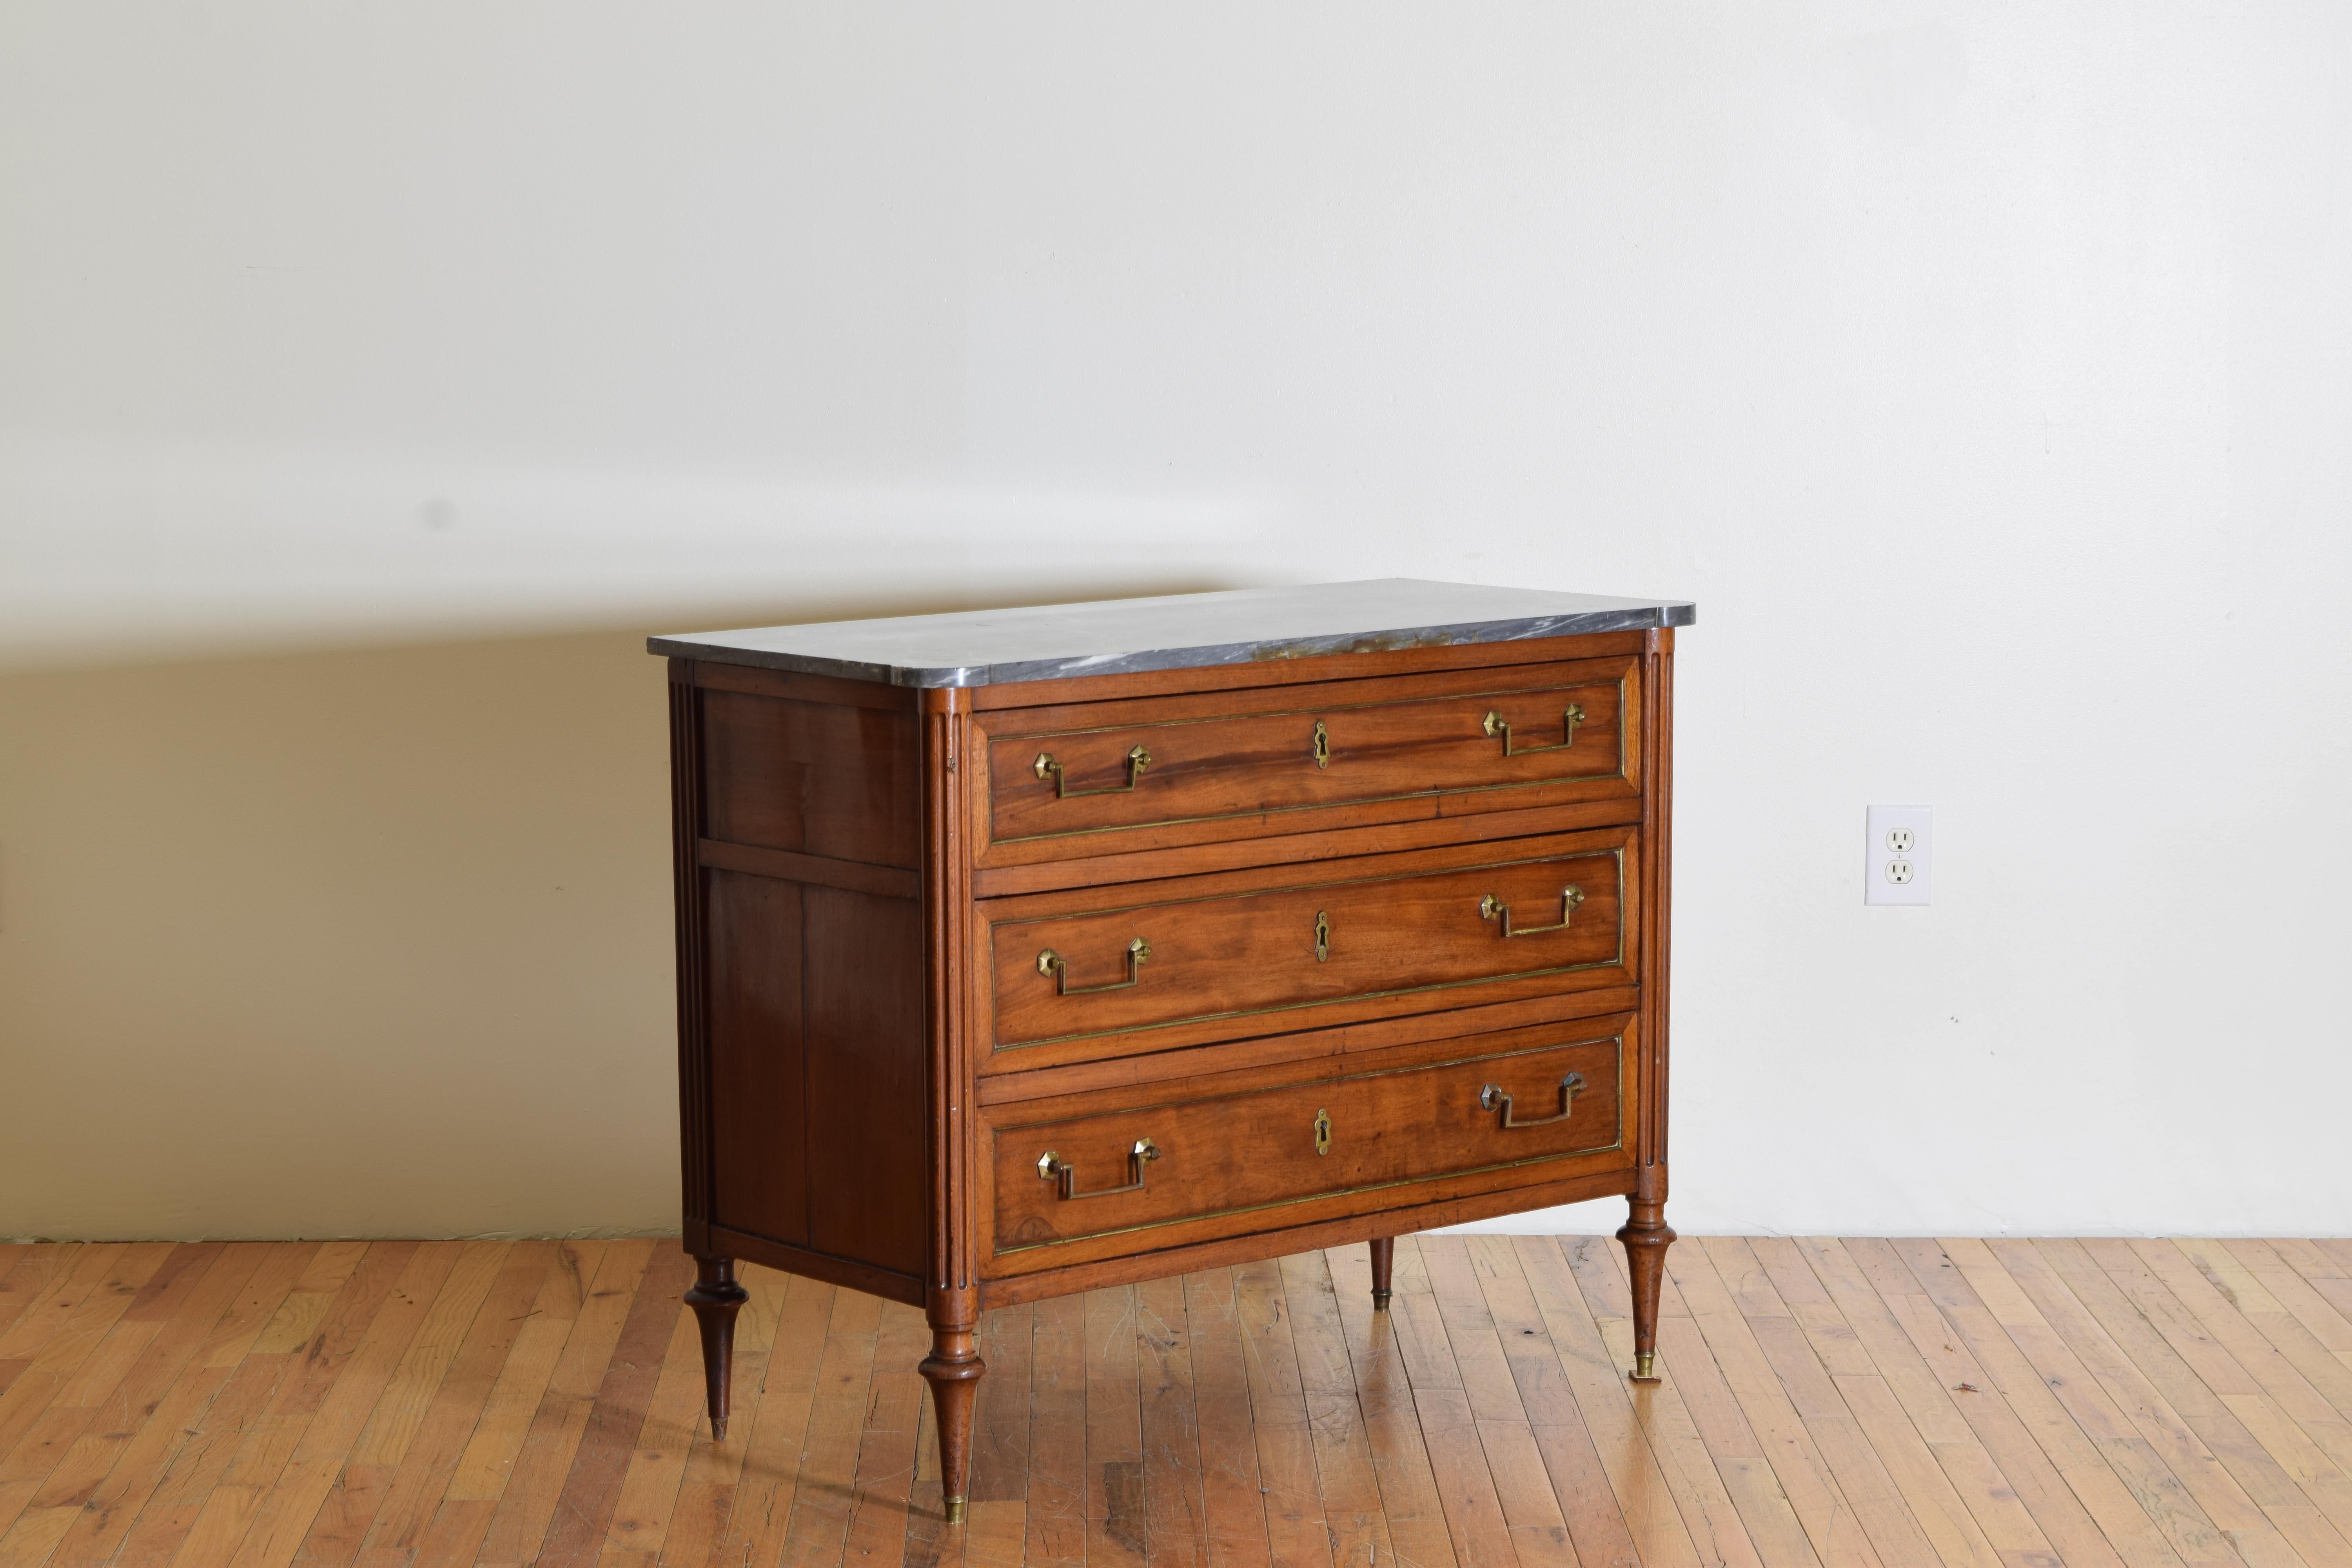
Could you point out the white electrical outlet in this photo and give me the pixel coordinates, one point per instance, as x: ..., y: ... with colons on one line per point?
x: 1898, y: 858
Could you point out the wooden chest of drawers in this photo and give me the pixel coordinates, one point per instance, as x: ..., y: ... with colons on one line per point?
x: 1026, y: 952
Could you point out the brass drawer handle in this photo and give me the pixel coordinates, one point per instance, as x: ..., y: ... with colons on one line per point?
x: 1570, y: 719
x: 1491, y: 908
x: 1492, y: 1098
x: 1045, y: 768
x: 1051, y: 1166
x: 1050, y: 963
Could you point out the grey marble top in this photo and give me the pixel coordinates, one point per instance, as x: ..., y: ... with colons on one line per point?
x: 1117, y: 636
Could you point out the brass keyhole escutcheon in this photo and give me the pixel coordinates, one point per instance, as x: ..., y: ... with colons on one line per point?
x: 1322, y: 936
x: 1322, y: 745
x: 1322, y: 1132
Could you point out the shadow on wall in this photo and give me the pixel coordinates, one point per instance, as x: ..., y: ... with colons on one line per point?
x: 356, y: 943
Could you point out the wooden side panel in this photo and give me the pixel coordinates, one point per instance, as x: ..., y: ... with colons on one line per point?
x: 801, y: 1007
x: 866, y: 1080
x: 813, y: 777
x: 759, y: 1094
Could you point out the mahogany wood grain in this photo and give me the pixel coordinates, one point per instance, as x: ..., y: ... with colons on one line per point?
x: 1235, y: 1158
x: 1390, y: 828
x: 757, y: 1074
x: 1234, y: 955
x: 1250, y: 764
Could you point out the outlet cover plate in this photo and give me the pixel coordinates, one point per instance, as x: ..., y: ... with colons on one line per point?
x: 1887, y: 823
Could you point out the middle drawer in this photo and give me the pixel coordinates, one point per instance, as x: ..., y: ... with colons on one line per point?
x: 1089, y: 972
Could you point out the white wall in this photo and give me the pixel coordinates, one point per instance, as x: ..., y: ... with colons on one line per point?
x: 1984, y: 372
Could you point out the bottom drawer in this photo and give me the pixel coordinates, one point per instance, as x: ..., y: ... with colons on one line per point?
x: 1134, y: 1170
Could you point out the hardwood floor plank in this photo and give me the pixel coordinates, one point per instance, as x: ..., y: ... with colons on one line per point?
x: 1295, y: 1524
x: 1933, y: 1496
x: 536, y: 1476
x: 1597, y: 1292
x: 674, y: 1422
x: 163, y: 1473
x: 2120, y: 1517
x: 1825, y: 1405
x: 1353, y: 1517
x: 1000, y: 1436
x: 1467, y: 1489
x: 714, y: 1471
x: 583, y: 1511
x: 2268, y: 1261
x: 1862, y: 1473
x: 1415, y: 1515
x: 2151, y: 1414
x: 1176, y: 1520
x: 107, y: 1412
x: 422, y: 1479
x: 1696, y: 1384
x: 886, y: 1452
x: 488, y: 1460
x: 2160, y: 1493
x: 819, y: 1525
x: 1056, y: 1517
x: 186, y: 1410
x: 1233, y: 1503
x: 35, y: 1272
x: 2288, y: 1442
x: 2291, y: 1363
x: 311, y: 1350
x: 1522, y: 1481
x: 60, y: 1332
x: 1832, y: 1526
x: 2201, y: 1410
x: 1115, y: 1511
x: 760, y: 1514
x: 1930, y: 1404
x: 371, y: 1332
x: 1602, y: 1471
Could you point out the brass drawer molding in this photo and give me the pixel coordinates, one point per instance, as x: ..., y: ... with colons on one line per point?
x: 1322, y: 745
x: 1491, y: 908
x: 1045, y: 768
x: 1494, y: 726
x: 1053, y: 1167
x: 1492, y: 1098
x: 1322, y: 1131
x: 1050, y: 963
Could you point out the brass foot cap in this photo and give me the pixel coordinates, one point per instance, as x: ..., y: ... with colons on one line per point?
x: 955, y: 1510
x: 1379, y: 1300
x: 1645, y: 1366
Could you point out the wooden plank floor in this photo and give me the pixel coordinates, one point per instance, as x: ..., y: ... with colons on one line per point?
x: 1825, y: 1405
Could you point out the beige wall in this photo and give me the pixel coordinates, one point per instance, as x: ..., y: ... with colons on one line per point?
x: 357, y: 944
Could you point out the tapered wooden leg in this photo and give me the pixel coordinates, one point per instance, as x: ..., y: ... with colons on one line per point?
x: 953, y: 1371
x: 1646, y: 1237
x: 1383, y: 1254
x: 716, y: 1299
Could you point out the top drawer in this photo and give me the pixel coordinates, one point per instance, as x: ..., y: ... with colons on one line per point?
x: 1100, y: 778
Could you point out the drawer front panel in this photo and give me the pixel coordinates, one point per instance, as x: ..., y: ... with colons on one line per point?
x: 1530, y: 1106
x: 1333, y: 938
x: 1088, y: 779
